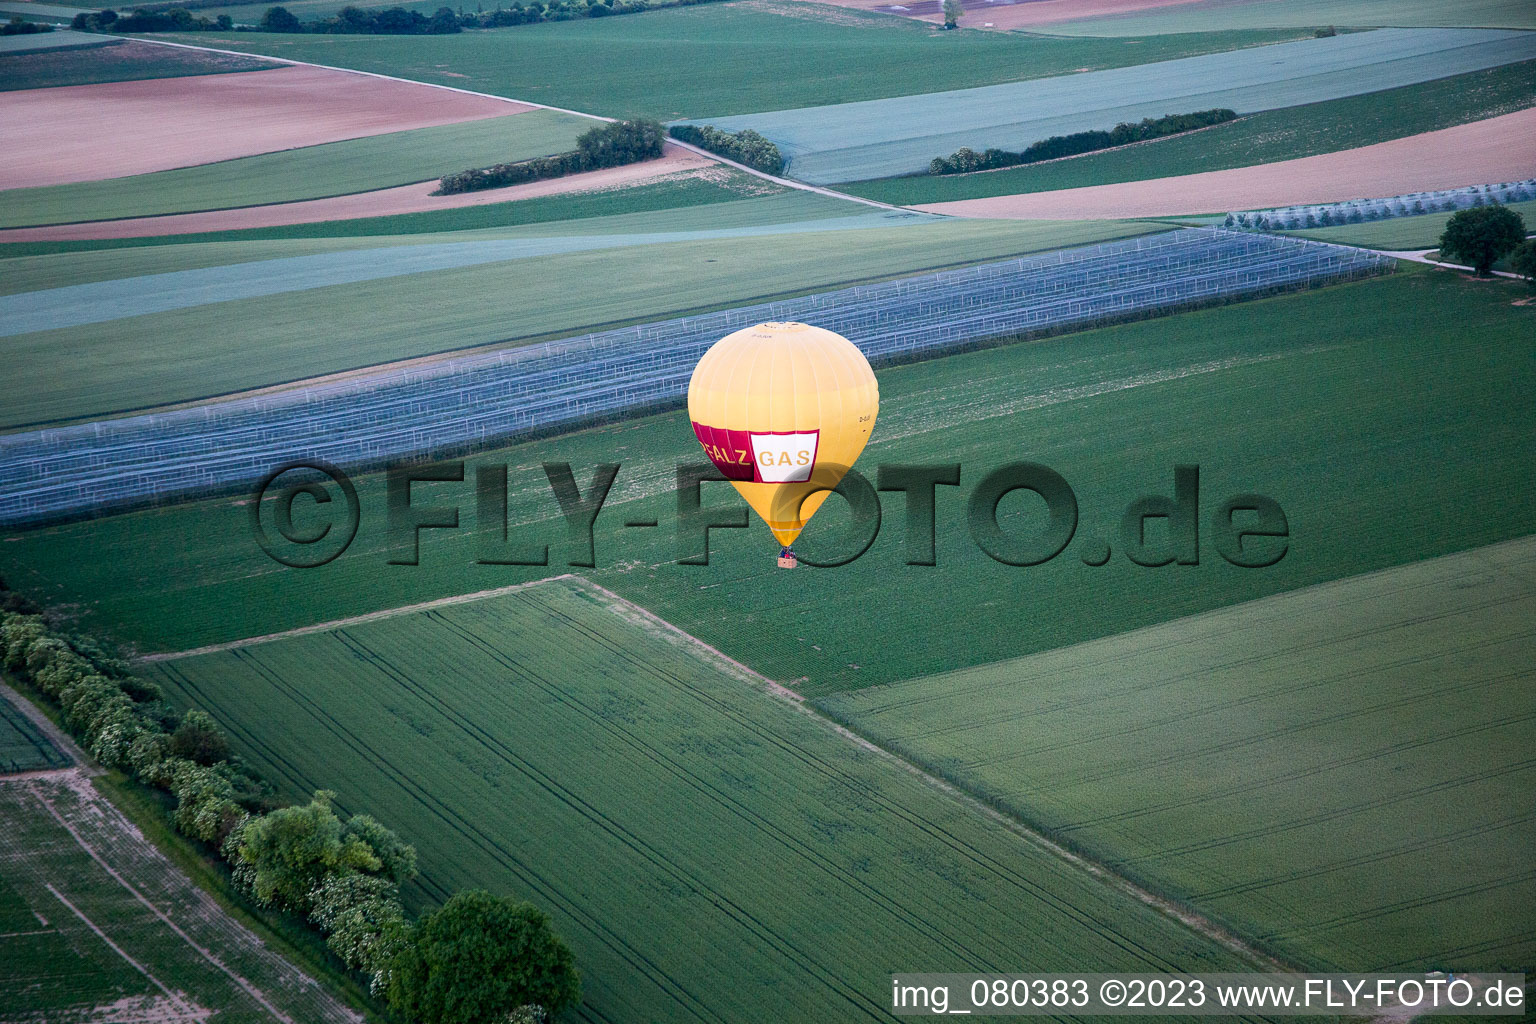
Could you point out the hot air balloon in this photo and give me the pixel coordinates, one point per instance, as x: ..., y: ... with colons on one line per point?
x: 783, y: 410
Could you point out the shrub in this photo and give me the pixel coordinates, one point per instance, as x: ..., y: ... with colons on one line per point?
x: 1523, y: 261
x: 291, y: 851
x: 205, y: 809
x: 397, y: 858
x: 362, y: 919
x: 198, y: 738
x: 146, y: 751
x: 745, y: 147
x: 964, y: 161
x: 1480, y: 236
x: 19, y: 26
x: 608, y: 145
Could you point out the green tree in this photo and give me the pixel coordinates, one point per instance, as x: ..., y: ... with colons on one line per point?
x: 478, y: 959
x: 952, y: 13
x: 199, y: 738
x: 397, y: 858
x: 280, y: 19
x: 289, y: 852
x: 1523, y: 261
x: 1480, y: 236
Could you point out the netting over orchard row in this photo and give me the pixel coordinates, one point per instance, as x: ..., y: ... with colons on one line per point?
x: 1357, y: 211
x: 476, y: 400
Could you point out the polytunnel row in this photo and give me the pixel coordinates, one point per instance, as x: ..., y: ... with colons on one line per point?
x: 1356, y: 211
x: 477, y: 399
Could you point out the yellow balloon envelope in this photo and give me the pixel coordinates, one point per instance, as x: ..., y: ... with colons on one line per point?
x: 783, y: 410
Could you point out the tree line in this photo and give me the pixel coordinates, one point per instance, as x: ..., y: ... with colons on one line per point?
x: 19, y: 26
x: 965, y: 160
x: 365, y: 20
x: 607, y: 145
x: 745, y: 147
x: 175, y: 19
x: 477, y: 959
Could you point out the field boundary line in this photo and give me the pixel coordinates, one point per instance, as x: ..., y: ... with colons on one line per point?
x: 1168, y: 908
x: 206, y: 954
x: 786, y: 182
x: 355, y: 620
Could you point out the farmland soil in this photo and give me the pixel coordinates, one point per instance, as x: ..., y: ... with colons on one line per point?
x: 91, y: 132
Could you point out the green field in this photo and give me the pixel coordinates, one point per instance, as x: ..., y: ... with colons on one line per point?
x: 1367, y: 410
x: 99, y: 368
x: 1402, y: 233
x: 310, y: 172
x: 721, y: 58
x: 89, y: 261
x: 712, y: 852
x: 119, y: 62
x: 23, y: 747
x: 1344, y: 771
x: 96, y: 925
x: 672, y: 192
x: 1257, y: 139
x: 1218, y: 15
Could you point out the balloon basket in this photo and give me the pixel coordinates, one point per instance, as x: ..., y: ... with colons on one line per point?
x: 788, y: 560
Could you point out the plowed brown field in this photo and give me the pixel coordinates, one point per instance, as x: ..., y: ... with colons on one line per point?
x: 90, y: 132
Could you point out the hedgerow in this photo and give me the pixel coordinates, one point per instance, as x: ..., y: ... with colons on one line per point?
x: 19, y: 26
x: 608, y: 145
x: 965, y: 160
x: 402, y: 21
x: 342, y: 876
x: 745, y: 147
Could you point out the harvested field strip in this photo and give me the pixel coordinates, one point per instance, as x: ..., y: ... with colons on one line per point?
x: 124, y: 926
x: 1468, y: 154
x: 1342, y: 770
x: 1217, y: 15
x: 879, y: 138
x: 254, y: 343
x: 474, y: 400
x: 333, y: 169
x: 1261, y: 138
x: 418, y: 198
x: 483, y: 715
x: 89, y: 132
x: 139, y: 296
